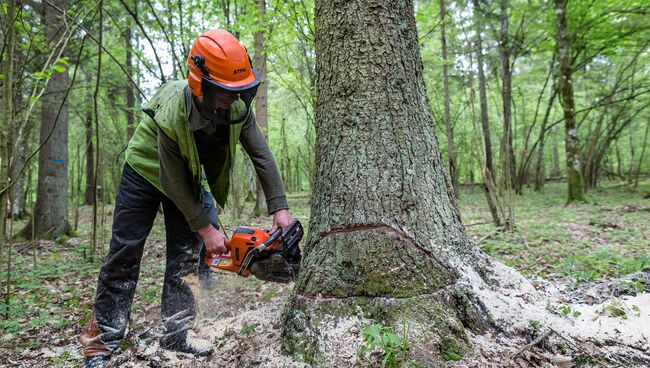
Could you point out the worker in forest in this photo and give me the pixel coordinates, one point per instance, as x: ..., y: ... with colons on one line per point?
x: 180, y: 155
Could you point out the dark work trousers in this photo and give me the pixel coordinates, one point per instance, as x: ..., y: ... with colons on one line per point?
x: 135, y: 210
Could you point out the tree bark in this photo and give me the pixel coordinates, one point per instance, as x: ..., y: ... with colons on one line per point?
x: 7, y: 117
x: 130, y: 96
x: 385, y: 231
x: 642, y: 155
x: 18, y: 190
x: 540, y: 172
x: 507, y: 152
x: 51, y: 211
x: 453, y: 172
x: 555, y: 171
x: 90, y: 152
x: 485, y: 122
x: 261, y: 101
x: 575, y: 181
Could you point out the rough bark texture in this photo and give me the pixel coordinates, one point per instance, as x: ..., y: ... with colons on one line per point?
x: 576, y: 186
x: 51, y: 212
x: 261, y: 101
x: 385, y: 225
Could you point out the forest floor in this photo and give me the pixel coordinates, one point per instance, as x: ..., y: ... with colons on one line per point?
x: 52, y: 289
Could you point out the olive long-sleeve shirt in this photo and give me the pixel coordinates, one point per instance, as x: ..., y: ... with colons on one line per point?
x: 212, y: 145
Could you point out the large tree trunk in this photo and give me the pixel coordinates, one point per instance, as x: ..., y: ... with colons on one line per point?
x: 51, y: 212
x: 385, y: 231
x: 453, y: 171
x: 261, y: 106
x: 575, y: 181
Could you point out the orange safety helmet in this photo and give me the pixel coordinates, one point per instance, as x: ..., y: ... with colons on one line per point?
x: 218, y: 64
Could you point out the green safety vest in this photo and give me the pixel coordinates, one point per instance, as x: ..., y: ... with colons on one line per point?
x: 166, y: 110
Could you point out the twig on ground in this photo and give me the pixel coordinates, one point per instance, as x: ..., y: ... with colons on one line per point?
x: 478, y: 223
x: 578, y: 348
x: 533, y: 343
x: 481, y: 240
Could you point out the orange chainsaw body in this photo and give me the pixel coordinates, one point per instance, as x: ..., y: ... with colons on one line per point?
x: 243, y: 240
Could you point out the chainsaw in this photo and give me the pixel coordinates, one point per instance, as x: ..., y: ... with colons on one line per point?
x: 271, y: 257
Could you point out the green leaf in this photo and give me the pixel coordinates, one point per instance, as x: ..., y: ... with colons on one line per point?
x: 63, y: 61
x: 58, y: 68
x: 33, y: 99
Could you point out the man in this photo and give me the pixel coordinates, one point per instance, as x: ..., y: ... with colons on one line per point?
x: 181, y: 155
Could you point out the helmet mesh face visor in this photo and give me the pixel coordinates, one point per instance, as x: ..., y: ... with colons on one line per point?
x: 226, y: 105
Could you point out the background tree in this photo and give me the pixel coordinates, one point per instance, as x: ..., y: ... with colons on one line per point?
x: 575, y: 180
x: 51, y: 211
x: 261, y: 107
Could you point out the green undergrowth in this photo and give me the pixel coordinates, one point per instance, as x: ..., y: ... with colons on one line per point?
x: 47, y: 292
x: 606, y: 237
x: 50, y: 299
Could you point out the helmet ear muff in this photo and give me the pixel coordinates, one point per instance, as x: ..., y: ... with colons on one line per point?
x: 199, y: 62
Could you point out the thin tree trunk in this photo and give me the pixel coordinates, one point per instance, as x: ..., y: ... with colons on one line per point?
x: 487, y: 172
x: 7, y: 118
x: 93, y: 247
x: 261, y: 106
x: 641, y: 156
x: 630, y: 171
x: 18, y: 190
x: 540, y: 176
x: 507, y: 152
x: 485, y: 123
x: 575, y: 181
x: 51, y: 210
x: 555, y: 171
x: 90, y: 153
x: 453, y: 172
x: 130, y: 96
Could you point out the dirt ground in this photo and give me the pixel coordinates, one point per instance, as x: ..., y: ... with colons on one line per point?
x: 241, y: 316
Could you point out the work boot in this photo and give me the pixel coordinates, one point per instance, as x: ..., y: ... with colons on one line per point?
x: 207, y: 281
x: 206, y: 278
x: 188, y: 344
x: 100, y: 361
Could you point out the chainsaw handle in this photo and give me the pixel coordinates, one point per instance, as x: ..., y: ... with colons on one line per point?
x: 270, y: 240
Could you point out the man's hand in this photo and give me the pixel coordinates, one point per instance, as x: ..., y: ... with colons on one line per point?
x: 281, y: 219
x: 214, y: 240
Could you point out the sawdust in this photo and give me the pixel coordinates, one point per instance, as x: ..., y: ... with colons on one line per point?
x: 518, y: 303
